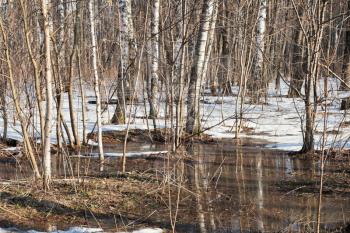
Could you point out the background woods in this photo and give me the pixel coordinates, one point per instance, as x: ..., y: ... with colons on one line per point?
x: 189, y: 115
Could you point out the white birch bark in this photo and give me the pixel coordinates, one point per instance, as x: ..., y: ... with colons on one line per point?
x: 178, y: 57
x: 193, y: 123
x: 259, y: 51
x: 260, y: 37
x: 96, y: 81
x: 209, y: 42
x: 124, y: 12
x: 131, y: 36
x: 124, y: 25
x: 48, y: 78
x: 153, y: 94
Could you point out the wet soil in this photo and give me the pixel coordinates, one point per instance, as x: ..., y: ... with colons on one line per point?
x: 150, y: 136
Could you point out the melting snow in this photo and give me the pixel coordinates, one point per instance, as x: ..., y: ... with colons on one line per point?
x: 279, y: 121
x: 80, y: 230
x: 129, y: 154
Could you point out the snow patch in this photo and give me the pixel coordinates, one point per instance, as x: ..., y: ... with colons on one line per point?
x: 80, y: 230
x: 129, y: 154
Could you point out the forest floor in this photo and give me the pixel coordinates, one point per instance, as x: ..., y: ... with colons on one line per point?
x: 117, y: 203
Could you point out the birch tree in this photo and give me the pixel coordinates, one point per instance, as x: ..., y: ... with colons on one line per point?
x: 178, y: 72
x: 96, y: 81
x: 257, y: 82
x: 193, y: 115
x: 153, y: 93
x: 48, y: 89
x: 126, y: 41
x: 223, y: 75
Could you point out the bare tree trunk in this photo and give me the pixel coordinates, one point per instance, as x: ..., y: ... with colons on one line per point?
x: 223, y: 75
x: 78, y: 57
x: 193, y: 115
x: 256, y: 84
x: 298, y: 66
x: 346, y: 56
x: 48, y: 76
x: 36, y: 68
x: 126, y: 41
x: 313, y: 56
x: 178, y: 78
x: 210, y: 41
x: 82, y: 93
x: 59, y: 55
x: 4, y: 106
x: 71, y: 84
x: 153, y: 93
x: 96, y: 82
x: 22, y: 120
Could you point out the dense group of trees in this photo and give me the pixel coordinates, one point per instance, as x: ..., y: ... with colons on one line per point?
x: 166, y: 52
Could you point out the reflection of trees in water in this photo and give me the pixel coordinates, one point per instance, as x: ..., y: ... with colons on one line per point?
x: 199, y: 192
x: 260, y: 192
x: 244, y: 222
x: 240, y: 190
x: 209, y: 173
x: 202, y: 183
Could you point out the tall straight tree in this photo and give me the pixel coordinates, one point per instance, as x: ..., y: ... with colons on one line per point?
x: 193, y: 115
x: 48, y: 89
x: 96, y: 81
x: 153, y: 91
x: 179, y: 58
x: 69, y: 61
x: 223, y: 75
x: 298, y: 66
x: 346, y: 59
x: 126, y: 42
x: 256, y: 84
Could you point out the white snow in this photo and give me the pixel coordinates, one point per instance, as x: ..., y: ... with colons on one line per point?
x: 129, y: 154
x: 149, y: 230
x: 278, y: 122
x: 80, y: 230
x: 11, y: 149
x: 70, y: 230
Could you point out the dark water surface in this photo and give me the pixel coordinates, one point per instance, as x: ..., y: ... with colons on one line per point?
x: 237, y: 188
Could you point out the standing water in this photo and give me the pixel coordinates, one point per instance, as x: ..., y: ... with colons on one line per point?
x: 234, y: 188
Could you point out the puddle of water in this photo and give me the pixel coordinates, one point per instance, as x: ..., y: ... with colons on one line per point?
x: 238, y: 191
x: 237, y: 188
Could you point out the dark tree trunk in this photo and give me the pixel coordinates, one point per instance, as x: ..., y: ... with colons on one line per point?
x: 346, y: 56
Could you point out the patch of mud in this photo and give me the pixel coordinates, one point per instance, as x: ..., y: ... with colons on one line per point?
x: 149, y: 136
